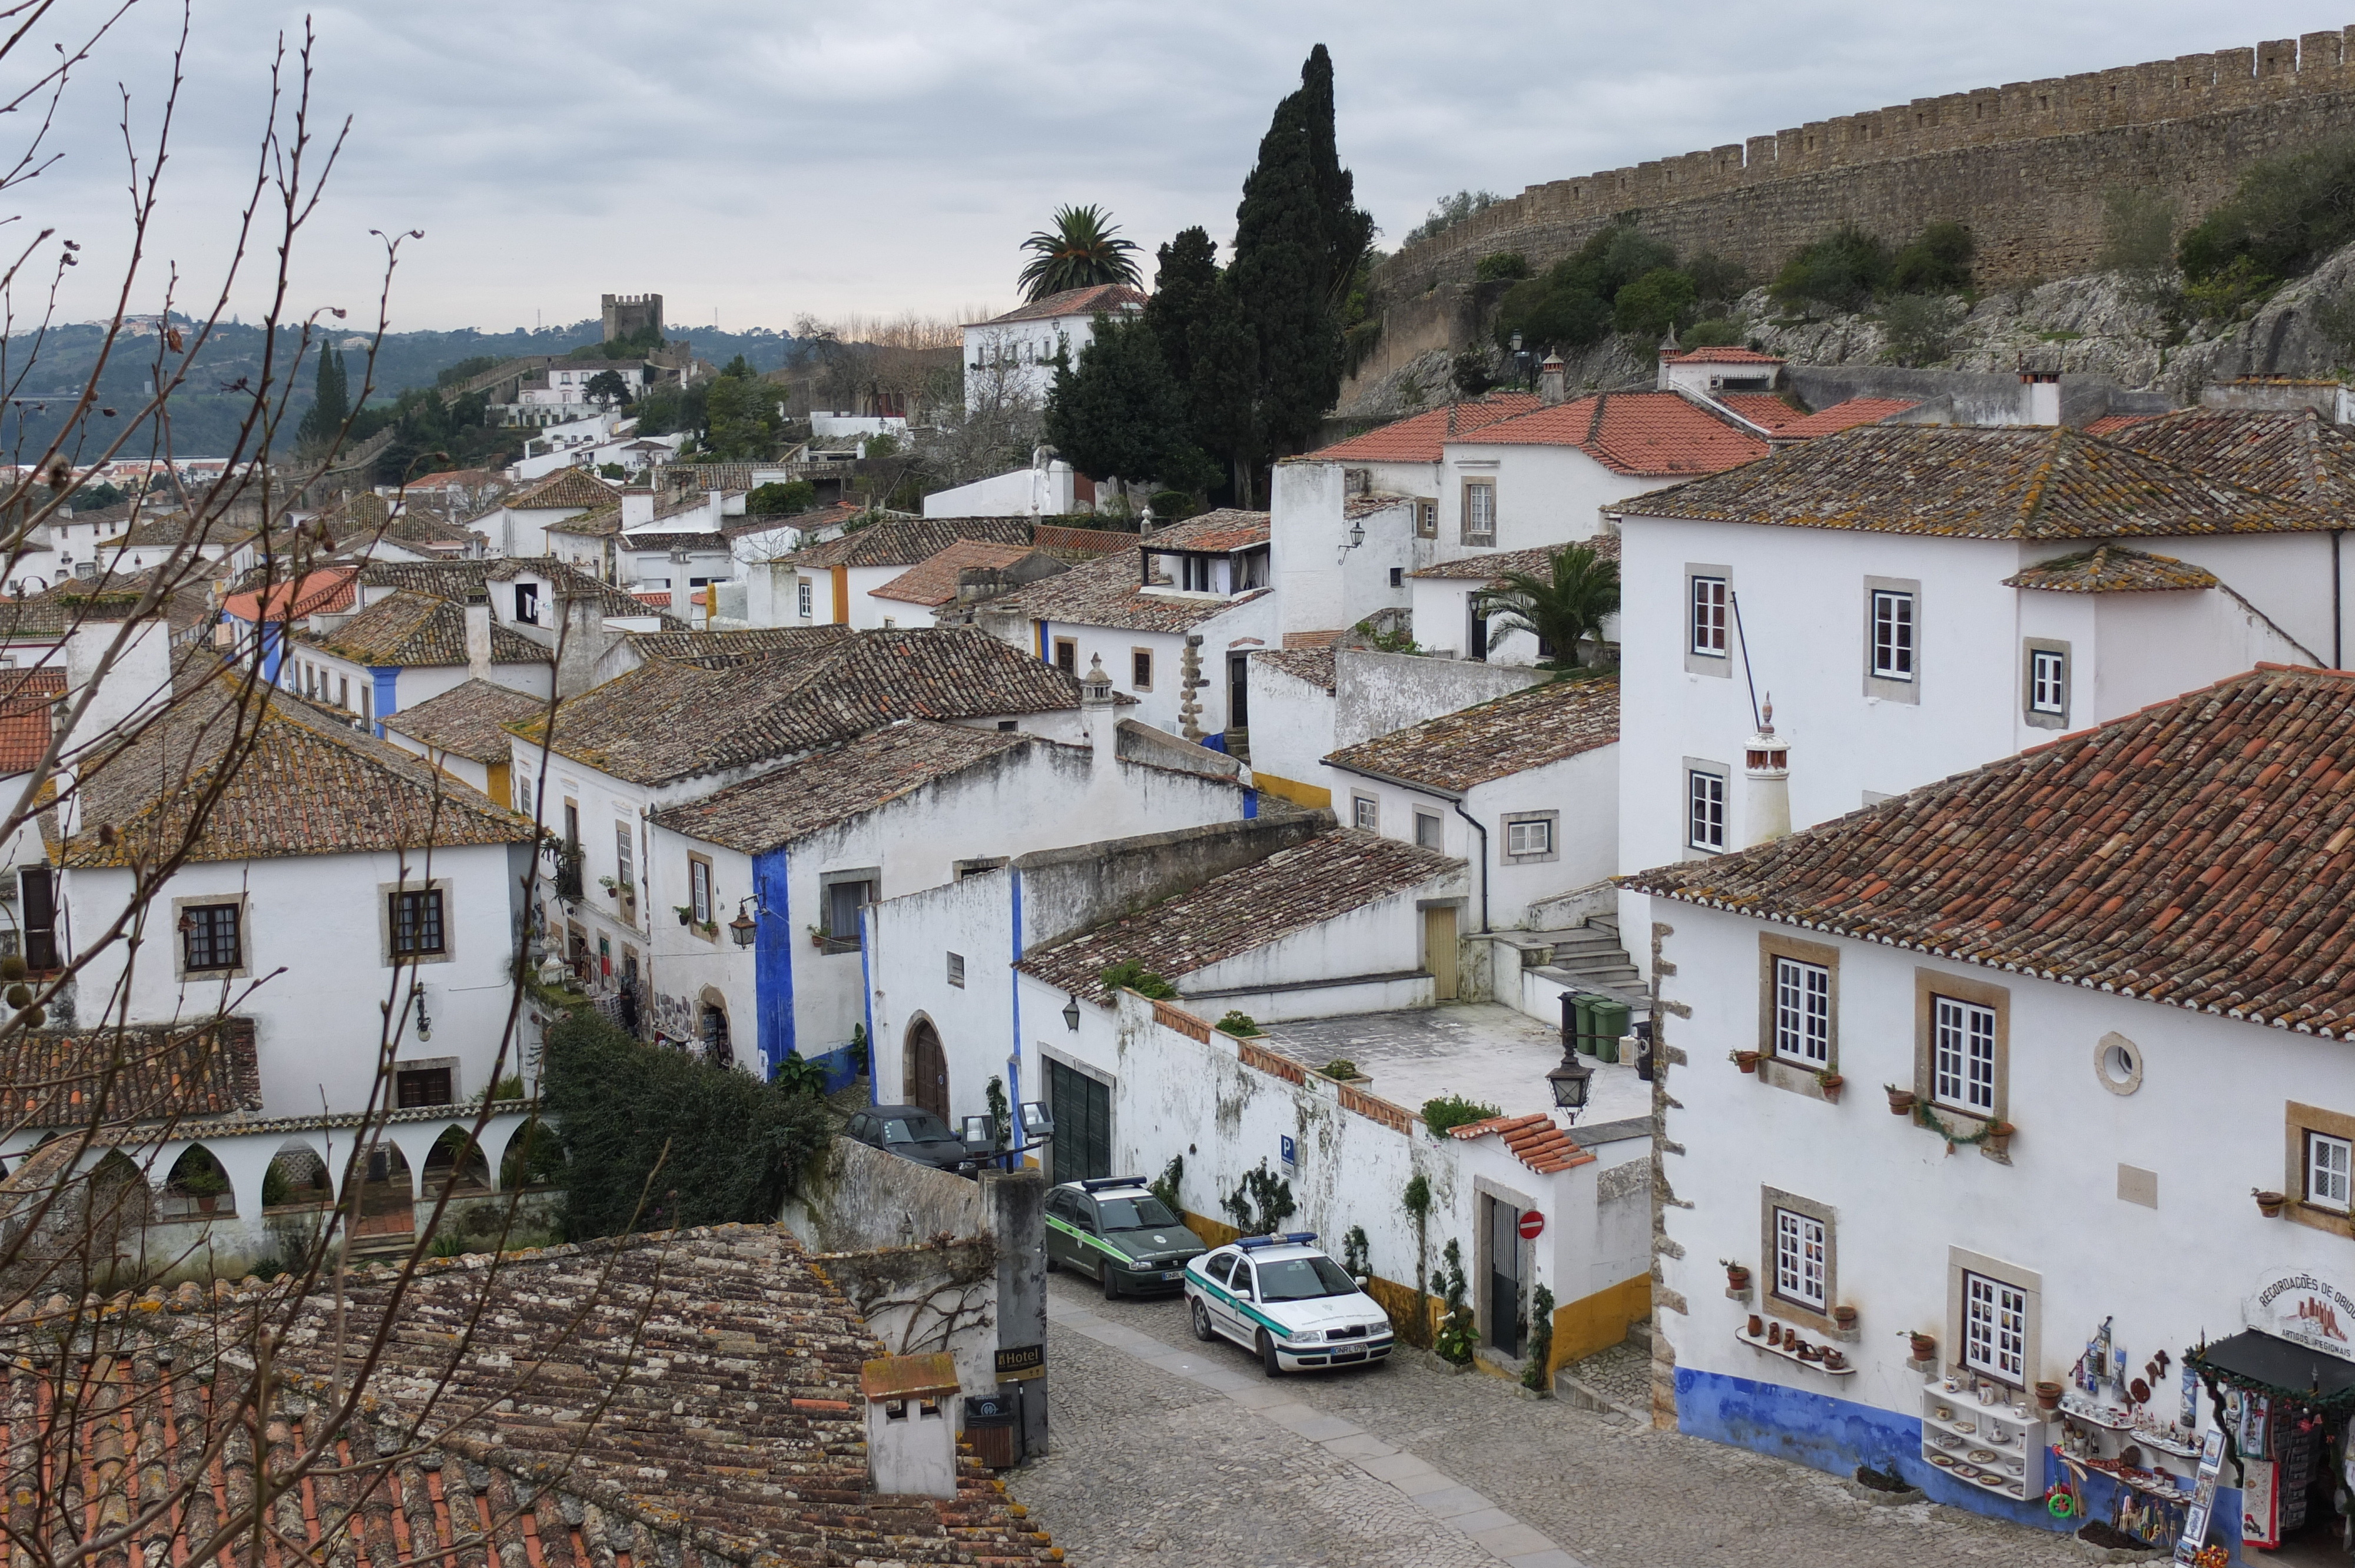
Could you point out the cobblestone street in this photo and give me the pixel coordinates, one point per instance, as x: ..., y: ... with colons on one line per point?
x: 1170, y: 1451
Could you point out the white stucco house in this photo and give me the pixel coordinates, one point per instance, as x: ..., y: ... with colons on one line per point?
x: 1018, y: 350
x: 1998, y: 585
x: 1452, y: 608
x: 405, y: 648
x: 833, y: 582
x: 1403, y: 456
x: 517, y: 525
x: 2104, y: 984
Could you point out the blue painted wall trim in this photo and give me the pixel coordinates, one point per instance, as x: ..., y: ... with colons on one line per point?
x: 274, y: 649
x: 773, y: 961
x: 1826, y: 1432
x: 1045, y: 654
x: 1251, y: 804
x: 388, y: 694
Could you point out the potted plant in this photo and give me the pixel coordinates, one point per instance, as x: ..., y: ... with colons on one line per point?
x: 1829, y: 1082
x: 1737, y: 1275
x: 1900, y: 1101
x: 686, y: 913
x: 1745, y: 1060
x: 204, y: 1181
x: 1845, y: 1315
x: 2048, y: 1395
x: 1926, y: 1346
x: 820, y: 935
x: 610, y: 885
x: 1999, y: 1137
x: 2269, y: 1204
x: 711, y: 927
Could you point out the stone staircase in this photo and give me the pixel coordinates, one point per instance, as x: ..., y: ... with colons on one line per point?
x: 1583, y: 958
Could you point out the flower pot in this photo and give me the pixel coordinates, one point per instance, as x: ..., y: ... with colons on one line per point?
x: 1757, y: 1327
x: 1925, y: 1346
x: 208, y: 1202
x: 1831, y: 1086
x: 1844, y: 1316
x: 1737, y: 1278
x: 1999, y: 1137
x: 1747, y: 1059
x: 2269, y: 1204
x: 1900, y: 1102
x: 2048, y: 1396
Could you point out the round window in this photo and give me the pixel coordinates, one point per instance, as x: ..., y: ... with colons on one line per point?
x: 2117, y: 1061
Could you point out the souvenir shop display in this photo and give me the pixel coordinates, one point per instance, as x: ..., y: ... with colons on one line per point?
x: 2282, y: 1397
x: 1984, y: 1432
x: 2134, y: 1425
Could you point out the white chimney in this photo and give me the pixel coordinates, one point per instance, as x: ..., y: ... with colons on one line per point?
x: 580, y: 626
x: 478, y: 634
x: 912, y: 1426
x: 2043, y: 396
x: 1101, y: 714
x: 1553, y: 376
x: 1767, y: 766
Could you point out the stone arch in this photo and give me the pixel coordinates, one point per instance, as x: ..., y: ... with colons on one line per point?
x: 924, y: 1067
x: 533, y: 1156
x: 198, y: 1187
x: 298, y: 1176
x: 388, y: 1195
x: 714, y: 1031
x: 455, y: 1161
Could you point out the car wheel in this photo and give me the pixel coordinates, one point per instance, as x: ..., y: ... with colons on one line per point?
x: 1109, y: 1279
x: 1268, y: 1354
x: 1052, y: 1265
x: 1202, y: 1330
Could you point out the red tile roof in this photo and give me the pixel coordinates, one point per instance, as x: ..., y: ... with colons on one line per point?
x: 1530, y: 729
x: 1214, y: 533
x: 1847, y: 417
x: 317, y: 593
x: 567, y: 487
x: 1534, y: 1141
x: 2200, y: 852
x: 1417, y: 437
x: 2111, y: 424
x: 1107, y: 297
x: 143, y: 1073
x: 1632, y: 432
x: 831, y: 786
x: 933, y: 581
x: 1723, y: 357
x: 1762, y: 409
x: 1313, y: 665
x: 2293, y: 453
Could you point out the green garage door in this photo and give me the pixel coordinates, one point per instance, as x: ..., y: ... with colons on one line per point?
x: 1082, y: 1111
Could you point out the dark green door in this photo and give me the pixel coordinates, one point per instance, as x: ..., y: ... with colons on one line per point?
x: 1082, y: 1111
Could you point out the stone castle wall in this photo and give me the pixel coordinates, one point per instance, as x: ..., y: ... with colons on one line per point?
x: 2023, y: 165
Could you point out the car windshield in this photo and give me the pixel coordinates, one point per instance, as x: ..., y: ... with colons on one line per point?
x: 921, y: 1128
x: 1303, y: 1279
x: 1133, y: 1213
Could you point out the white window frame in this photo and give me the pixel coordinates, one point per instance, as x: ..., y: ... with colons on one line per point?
x: 1895, y: 634
x: 699, y: 889
x: 1705, y: 794
x: 1803, y: 1258
x: 802, y: 588
x: 1437, y: 839
x: 2330, y: 1171
x: 1485, y: 513
x: 1707, y: 615
x: 1366, y: 813
x: 1995, y: 1326
x: 956, y: 971
x: 1529, y: 837
x: 1803, y: 1012
x: 1963, y: 1055
x: 2048, y: 681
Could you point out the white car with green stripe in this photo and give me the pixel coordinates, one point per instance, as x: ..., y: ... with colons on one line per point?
x: 1286, y: 1301
x: 1115, y: 1228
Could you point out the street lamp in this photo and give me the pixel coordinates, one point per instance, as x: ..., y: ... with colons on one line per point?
x: 742, y: 928
x: 1071, y: 1013
x: 1571, y: 1081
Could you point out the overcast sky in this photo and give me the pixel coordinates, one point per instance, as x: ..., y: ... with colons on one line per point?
x: 764, y: 158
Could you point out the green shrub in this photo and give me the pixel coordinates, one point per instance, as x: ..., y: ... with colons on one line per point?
x: 1540, y: 1346
x: 1173, y: 505
x: 1717, y: 280
x: 1238, y: 1023
x: 1471, y: 374
x: 1340, y: 1067
x: 1654, y: 302
x: 1167, y: 1185
x: 1571, y: 304
x: 1130, y: 975
x: 1714, y: 333
x: 1260, y: 1204
x: 1937, y: 262
x: 1458, y: 1332
x: 1504, y: 266
x: 2287, y: 214
x: 1455, y: 1110
x: 2137, y: 231
x: 1356, y: 1261
x: 780, y: 498
x: 1921, y: 327
x: 657, y: 1140
x: 2230, y: 290
x: 1842, y: 271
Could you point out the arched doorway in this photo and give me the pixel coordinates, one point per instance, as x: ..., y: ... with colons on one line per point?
x: 928, y: 1069
x: 716, y: 1048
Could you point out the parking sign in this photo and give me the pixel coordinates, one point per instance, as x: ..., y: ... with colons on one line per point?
x: 1288, y: 1152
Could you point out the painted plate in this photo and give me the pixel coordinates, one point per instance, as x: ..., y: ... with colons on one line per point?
x: 1967, y: 1472
x: 1943, y: 1461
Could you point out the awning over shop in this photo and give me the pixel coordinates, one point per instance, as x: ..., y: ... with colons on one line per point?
x: 2256, y: 1359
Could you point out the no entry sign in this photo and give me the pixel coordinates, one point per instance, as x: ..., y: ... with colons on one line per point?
x: 1532, y: 1224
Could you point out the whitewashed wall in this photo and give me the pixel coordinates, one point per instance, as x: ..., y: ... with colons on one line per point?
x: 1545, y: 496
x: 1322, y: 582
x: 1292, y: 731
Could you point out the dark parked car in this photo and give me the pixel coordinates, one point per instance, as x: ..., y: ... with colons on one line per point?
x: 911, y: 1132
x: 1115, y: 1228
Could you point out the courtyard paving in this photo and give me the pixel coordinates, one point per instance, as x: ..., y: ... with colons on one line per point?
x: 1169, y: 1451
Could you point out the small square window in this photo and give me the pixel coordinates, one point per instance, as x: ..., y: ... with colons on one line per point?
x: 210, y: 938
x: 2328, y: 1162
x: 1893, y: 635
x: 1427, y: 831
x: 1426, y: 519
x: 417, y: 930
x: 1529, y: 838
x: 1366, y: 812
x: 1067, y: 655
x: 417, y: 1087
x: 1140, y: 669
x: 1705, y: 810
x: 1802, y: 1254
x: 1397, y: 576
x: 956, y: 971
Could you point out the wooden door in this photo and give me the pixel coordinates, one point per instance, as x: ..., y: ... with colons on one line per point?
x: 928, y: 1070
x: 1502, y: 1306
x: 1439, y: 950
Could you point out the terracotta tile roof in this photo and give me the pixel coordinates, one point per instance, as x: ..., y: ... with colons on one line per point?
x: 1373, y: 501
x: 2111, y: 424
x: 1971, y: 483
x: 665, y: 721
x: 468, y: 720
x: 1495, y: 739
x: 2111, y: 569
x: 140, y: 1073
x: 306, y: 784
x: 1762, y: 409
x: 566, y: 487
x: 455, y: 479
x: 456, y: 579
x: 1087, y: 302
x: 833, y: 786
x: 2295, y: 454
x: 934, y: 581
x: 1313, y: 665
x: 1249, y: 907
x: 1490, y: 567
x: 409, y: 629
x: 815, y: 521
x: 1631, y: 432
x: 315, y: 593
x: 686, y: 1399
x: 723, y: 650
x: 25, y: 700
x: 2194, y: 853
x: 1722, y: 357
x: 1107, y: 591
x: 1534, y: 1141
x: 1845, y: 417
x: 598, y: 522
x: 906, y: 541
x: 679, y: 541
x: 1418, y: 437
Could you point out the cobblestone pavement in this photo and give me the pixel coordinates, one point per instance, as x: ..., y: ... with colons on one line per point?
x: 1192, y: 1456
x: 1622, y: 1374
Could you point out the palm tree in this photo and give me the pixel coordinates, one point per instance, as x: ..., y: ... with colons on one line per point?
x: 1570, y: 603
x: 1079, y: 252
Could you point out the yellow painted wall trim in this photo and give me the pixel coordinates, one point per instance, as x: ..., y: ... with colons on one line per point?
x: 1292, y: 790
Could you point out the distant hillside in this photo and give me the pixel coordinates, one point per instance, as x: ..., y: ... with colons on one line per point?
x: 206, y: 419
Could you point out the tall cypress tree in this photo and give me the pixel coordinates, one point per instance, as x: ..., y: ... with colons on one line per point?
x: 331, y: 400
x: 1209, y: 353
x: 1118, y: 414
x: 1297, y: 237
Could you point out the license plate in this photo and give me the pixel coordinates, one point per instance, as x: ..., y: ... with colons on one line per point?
x: 1172, y: 1275
x: 1339, y: 1356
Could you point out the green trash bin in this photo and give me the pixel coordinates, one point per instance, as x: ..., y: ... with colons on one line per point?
x: 1583, y: 1007
x: 1610, y: 1019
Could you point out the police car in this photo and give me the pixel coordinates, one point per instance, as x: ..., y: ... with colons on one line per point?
x: 1281, y: 1298
x: 1115, y: 1229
